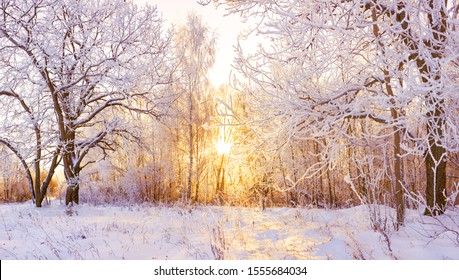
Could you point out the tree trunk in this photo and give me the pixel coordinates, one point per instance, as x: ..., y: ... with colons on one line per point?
x: 220, y: 180
x: 331, y: 196
x: 72, y: 177
x: 190, y: 148
x: 190, y: 168
x: 431, y: 77
x: 401, y: 17
x: 72, y: 195
x: 399, y: 192
x: 69, y: 195
x: 435, y: 170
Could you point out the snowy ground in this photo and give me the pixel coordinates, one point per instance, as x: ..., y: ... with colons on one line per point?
x: 144, y: 232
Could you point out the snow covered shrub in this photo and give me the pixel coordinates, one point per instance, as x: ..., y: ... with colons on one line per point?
x: 218, y: 242
x: 98, y: 193
x: 444, y: 225
x: 15, y: 190
x: 381, y: 217
x: 438, y: 226
x: 124, y: 184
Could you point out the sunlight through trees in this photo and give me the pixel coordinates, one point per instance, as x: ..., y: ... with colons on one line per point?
x: 342, y: 103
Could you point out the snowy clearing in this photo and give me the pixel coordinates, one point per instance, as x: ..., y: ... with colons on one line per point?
x: 146, y: 232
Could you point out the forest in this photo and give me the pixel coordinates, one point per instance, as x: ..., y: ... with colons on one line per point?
x: 340, y: 104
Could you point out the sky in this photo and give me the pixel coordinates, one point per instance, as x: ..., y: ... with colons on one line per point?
x: 226, y: 26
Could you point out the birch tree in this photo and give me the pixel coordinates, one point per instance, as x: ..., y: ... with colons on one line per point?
x: 91, y: 59
x: 195, y: 48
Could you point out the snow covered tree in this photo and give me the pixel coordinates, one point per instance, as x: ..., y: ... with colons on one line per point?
x: 390, y: 65
x: 91, y: 59
x: 195, y: 49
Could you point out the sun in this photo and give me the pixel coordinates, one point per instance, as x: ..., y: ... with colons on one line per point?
x: 223, y: 148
